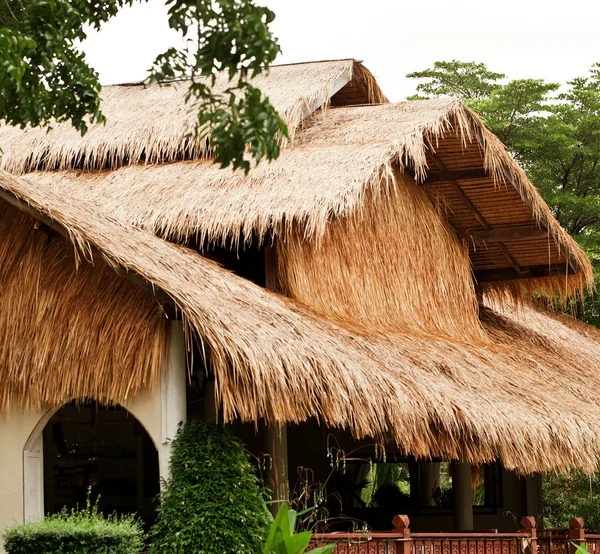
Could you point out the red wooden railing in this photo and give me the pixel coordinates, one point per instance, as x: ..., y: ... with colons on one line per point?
x: 563, y: 541
x: 400, y: 540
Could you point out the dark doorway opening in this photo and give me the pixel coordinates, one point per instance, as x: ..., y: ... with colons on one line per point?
x: 103, y: 450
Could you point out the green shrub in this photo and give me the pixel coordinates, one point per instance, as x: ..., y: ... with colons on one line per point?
x: 213, y: 503
x: 570, y: 495
x: 76, y: 532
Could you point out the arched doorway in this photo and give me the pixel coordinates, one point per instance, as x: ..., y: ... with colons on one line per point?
x: 104, y: 450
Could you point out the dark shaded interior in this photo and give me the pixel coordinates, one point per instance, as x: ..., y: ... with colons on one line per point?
x: 104, y: 451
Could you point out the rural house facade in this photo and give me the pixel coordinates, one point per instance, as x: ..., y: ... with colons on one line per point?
x: 369, y: 291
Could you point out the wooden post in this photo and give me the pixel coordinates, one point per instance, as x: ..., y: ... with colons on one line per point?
x: 210, y: 403
x: 276, y: 433
x: 277, y: 478
x: 528, y: 525
x: 429, y: 481
x: 402, y: 526
x: 533, y: 494
x: 576, y: 533
x: 462, y: 496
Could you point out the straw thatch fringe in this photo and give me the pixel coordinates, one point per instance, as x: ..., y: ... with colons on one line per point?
x: 523, y: 399
x: 394, y: 266
x: 560, y: 290
x: 153, y: 124
x: 336, y: 158
x: 68, y: 333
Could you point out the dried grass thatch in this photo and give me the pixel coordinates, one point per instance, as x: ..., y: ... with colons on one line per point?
x: 339, y: 156
x: 523, y: 399
x: 68, y: 333
x: 394, y: 266
x: 151, y: 124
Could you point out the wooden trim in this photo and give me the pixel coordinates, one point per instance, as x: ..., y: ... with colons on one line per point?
x: 463, y: 195
x: 528, y: 272
x: 507, y: 235
x: 478, y: 215
x: 511, y: 259
x: 445, y: 176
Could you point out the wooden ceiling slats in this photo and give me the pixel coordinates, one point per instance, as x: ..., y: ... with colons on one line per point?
x: 478, y: 204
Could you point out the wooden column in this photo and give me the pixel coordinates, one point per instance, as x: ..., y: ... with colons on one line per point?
x: 277, y: 477
x: 210, y: 403
x: 429, y: 480
x: 276, y: 434
x: 533, y: 494
x: 462, y: 496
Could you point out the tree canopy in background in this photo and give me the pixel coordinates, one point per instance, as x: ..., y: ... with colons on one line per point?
x: 571, y: 495
x: 44, y: 76
x: 552, y: 130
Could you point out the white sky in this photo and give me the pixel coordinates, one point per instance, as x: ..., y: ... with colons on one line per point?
x: 522, y: 38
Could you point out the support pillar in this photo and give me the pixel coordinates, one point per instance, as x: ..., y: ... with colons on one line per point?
x: 277, y: 477
x: 276, y: 434
x: 533, y: 495
x: 210, y: 403
x: 429, y: 481
x: 33, y: 480
x: 173, y: 397
x: 462, y: 496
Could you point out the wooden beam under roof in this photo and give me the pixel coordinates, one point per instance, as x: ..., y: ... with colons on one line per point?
x: 507, y: 235
x: 476, y: 213
x: 527, y: 272
x: 446, y: 176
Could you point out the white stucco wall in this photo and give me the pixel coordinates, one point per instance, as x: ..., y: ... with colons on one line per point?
x: 21, y: 465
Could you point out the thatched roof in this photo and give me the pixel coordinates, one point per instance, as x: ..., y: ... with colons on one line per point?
x: 148, y: 124
x: 69, y: 332
x: 337, y: 157
x: 394, y: 266
x: 523, y: 398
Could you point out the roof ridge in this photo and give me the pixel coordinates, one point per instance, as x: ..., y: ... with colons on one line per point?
x: 143, y: 82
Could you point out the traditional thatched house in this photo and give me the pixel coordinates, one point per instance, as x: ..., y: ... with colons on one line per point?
x: 370, y: 285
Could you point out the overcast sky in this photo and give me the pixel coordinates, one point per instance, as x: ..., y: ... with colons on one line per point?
x: 522, y: 38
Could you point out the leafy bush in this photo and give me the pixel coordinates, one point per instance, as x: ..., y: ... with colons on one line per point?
x: 213, y: 503
x: 76, y: 532
x: 571, y: 495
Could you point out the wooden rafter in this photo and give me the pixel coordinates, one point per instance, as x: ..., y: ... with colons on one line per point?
x: 448, y: 176
x: 476, y: 213
x: 507, y: 235
x: 527, y: 272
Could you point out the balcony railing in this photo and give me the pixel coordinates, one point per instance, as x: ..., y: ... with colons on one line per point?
x: 400, y: 540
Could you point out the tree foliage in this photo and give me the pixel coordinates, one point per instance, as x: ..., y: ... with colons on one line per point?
x: 44, y: 76
x: 571, y: 495
x: 553, y: 131
x: 469, y: 80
